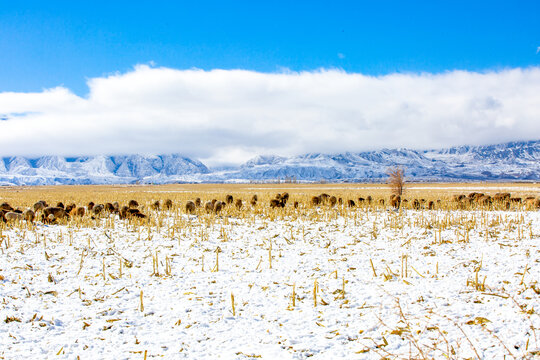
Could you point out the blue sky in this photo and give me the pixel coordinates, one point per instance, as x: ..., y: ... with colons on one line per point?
x: 224, y: 81
x: 44, y: 44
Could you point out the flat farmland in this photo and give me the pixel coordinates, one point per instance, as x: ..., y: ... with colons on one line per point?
x: 304, y: 279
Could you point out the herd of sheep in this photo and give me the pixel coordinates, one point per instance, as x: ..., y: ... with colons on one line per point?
x: 50, y: 214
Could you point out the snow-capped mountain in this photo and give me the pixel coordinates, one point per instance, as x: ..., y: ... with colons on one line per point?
x: 52, y: 170
x: 510, y: 161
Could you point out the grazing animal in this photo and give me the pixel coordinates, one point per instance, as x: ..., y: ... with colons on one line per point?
x: 80, y: 211
x: 132, y: 204
x: 168, y: 204
x: 238, y: 204
x: 40, y: 205
x: 395, y: 201
x: 14, y: 216
x: 98, y: 209
x: 6, y: 207
x: 29, y: 215
x: 218, y: 206
x: 190, y: 207
x: 56, y: 212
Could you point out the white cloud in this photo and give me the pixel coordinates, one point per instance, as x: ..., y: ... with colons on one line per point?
x: 227, y: 116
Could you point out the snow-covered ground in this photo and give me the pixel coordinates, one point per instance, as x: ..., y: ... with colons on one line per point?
x: 385, y: 284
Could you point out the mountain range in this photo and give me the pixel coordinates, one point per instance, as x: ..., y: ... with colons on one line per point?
x: 513, y: 161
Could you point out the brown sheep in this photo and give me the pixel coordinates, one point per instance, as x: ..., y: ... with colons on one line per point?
x: 238, y: 204
x: 70, y: 207
x: 40, y: 205
x: 6, y: 207
x: 80, y: 211
x: 218, y: 206
x: 29, y: 215
x: 13, y: 216
x: 168, y: 204
x: 209, y: 207
x: 395, y: 201
x: 190, y: 207
x: 274, y: 203
x: 56, y: 212
x: 98, y: 209
x: 229, y: 199
x: 333, y: 201
x: 132, y: 204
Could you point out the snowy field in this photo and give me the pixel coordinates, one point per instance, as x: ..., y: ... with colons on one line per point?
x: 364, y: 284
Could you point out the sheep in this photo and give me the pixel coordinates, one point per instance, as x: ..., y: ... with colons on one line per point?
x: 70, y: 207
x: 218, y: 206
x: 190, y: 207
x: 29, y: 215
x: 238, y: 204
x: 13, y: 216
x: 98, y: 209
x: 333, y: 201
x: 395, y: 201
x: 40, y: 205
x: 6, y: 207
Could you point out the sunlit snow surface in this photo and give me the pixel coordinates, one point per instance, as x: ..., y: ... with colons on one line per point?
x: 434, y: 310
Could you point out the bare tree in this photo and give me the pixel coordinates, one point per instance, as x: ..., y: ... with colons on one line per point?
x: 396, y: 180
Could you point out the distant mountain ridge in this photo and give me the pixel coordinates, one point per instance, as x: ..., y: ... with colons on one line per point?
x: 513, y: 161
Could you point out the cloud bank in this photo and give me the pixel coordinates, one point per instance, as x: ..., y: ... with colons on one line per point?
x: 228, y: 116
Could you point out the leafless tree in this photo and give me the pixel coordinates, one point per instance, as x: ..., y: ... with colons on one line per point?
x: 396, y: 180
